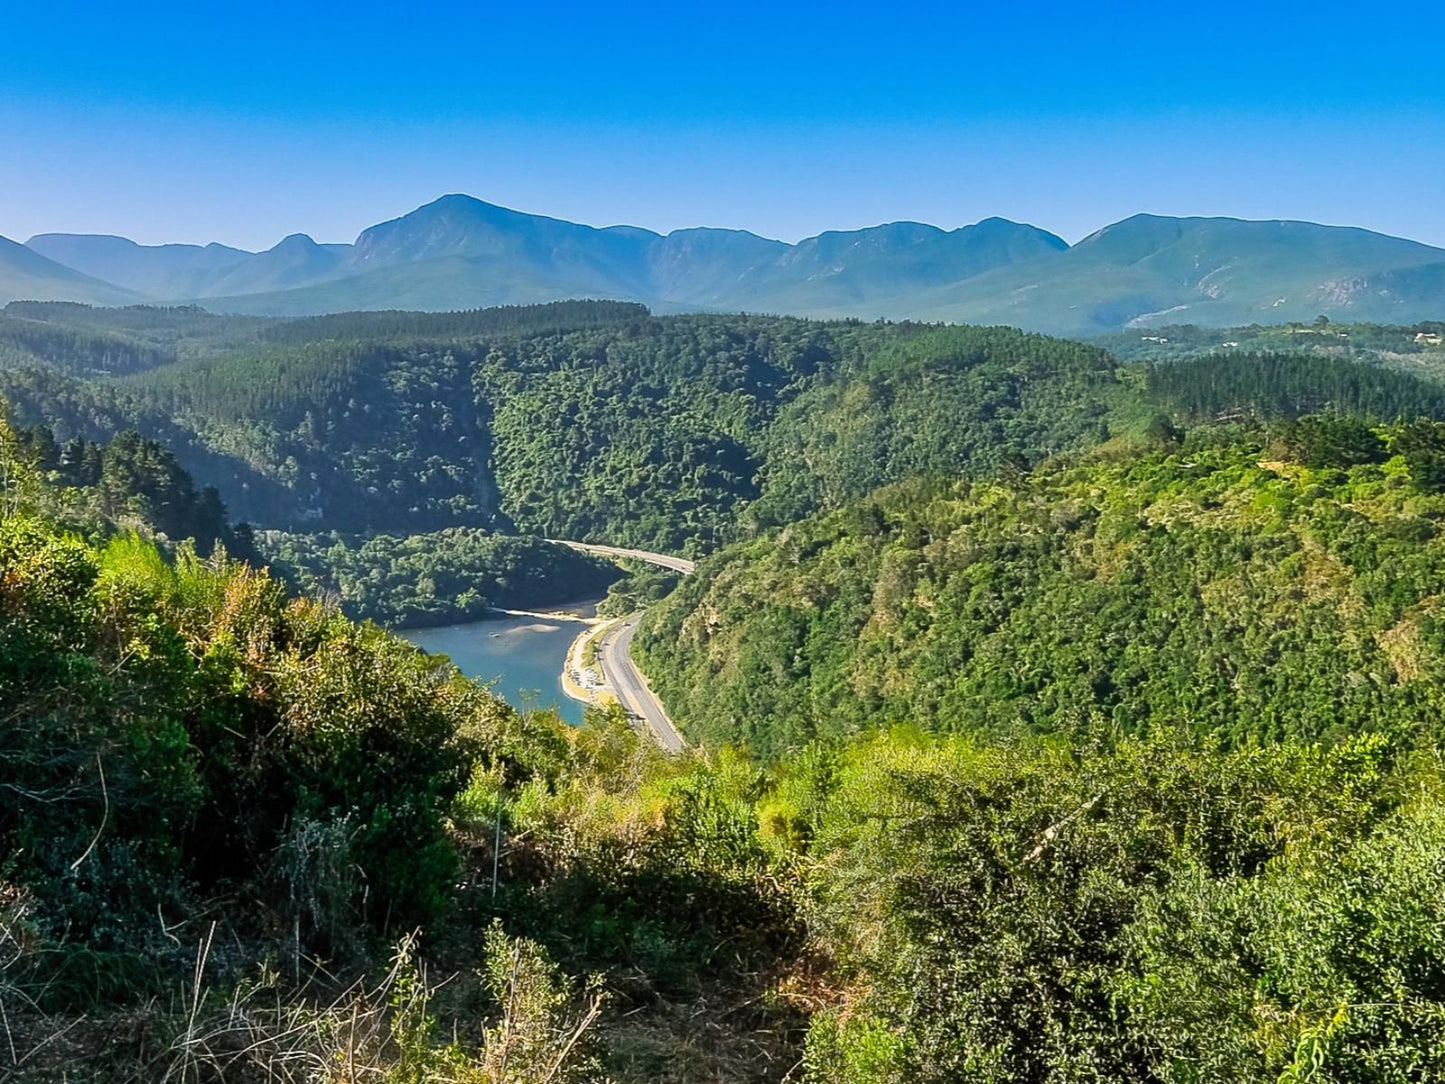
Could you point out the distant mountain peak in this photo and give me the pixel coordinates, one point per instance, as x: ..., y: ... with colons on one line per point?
x: 996, y: 226
x: 1141, y: 233
x: 459, y: 199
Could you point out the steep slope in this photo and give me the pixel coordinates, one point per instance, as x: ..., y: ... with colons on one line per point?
x: 668, y: 434
x: 1282, y: 587
x: 29, y: 276
x: 444, y: 284
x: 157, y: 271
x: 459, y: 252
x: 705, y: 267
x: 180, y: 732
x: 530, y: 247
x: 1405, y: 293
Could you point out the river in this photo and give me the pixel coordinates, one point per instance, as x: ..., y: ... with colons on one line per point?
x: 525, y: 655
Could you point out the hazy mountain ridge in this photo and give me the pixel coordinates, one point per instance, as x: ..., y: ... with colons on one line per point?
x: 459, y: 252
x: 161, y: 271
x: 1150, y: 270
x: 31, y: 275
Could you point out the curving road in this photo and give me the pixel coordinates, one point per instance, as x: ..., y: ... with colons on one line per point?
x: 619, y: 671
x: 614, y: 649
x: 666, y: 560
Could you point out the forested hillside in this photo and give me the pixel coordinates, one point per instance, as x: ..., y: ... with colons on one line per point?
x: 175, y: 333
x: 79, y: 351
x: 587, y: 421
x: 1235, y: 386
x: 129, y: 483
x: 249, y: 840
x: 597, y: 421
x: 455, y: 574
x: 1239, y: 587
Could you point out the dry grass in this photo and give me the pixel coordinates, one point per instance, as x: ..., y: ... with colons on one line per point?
x: 367, y: 1032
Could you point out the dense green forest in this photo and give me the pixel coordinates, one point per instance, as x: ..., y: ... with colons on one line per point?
x: 165, y: 333
x: 660, y: 434
x: 581, y: 420
x: 96, y: 411
x: 455, y: 574
x: 1240, y: 586
x: 1236, y: 386
x: 130, y: 483
x: 597, y: 421
x: 560, y: 316
x: 80, y: 352
x: 250, y: 840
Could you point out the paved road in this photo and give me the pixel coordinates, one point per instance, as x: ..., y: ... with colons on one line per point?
x: 677, y: 564
x: 614, y: 649
x: 631, y: 687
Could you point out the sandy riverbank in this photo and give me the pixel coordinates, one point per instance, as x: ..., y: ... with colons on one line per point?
x: 584, y: 611
x: 573, y: 673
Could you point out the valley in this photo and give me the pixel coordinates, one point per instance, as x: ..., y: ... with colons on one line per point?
x: 981, y: 697
x: 722, y: 544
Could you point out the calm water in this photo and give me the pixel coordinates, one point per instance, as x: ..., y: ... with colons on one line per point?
x: 524, y: 654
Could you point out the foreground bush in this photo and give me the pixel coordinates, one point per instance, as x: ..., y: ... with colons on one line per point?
x: 1152, y: 914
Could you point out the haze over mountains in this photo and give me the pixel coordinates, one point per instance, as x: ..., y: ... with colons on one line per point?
x: 24, y: 273
x: 459, y: 252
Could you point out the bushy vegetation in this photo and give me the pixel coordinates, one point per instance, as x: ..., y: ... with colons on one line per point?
x: 249, y: 840
x: 642, y: 585
x: 1153, y: 913
x: 211, y: 788
x: 1240, y: 587
x: 454, y: 574
x: 214, y: 720
x: 944, y: 908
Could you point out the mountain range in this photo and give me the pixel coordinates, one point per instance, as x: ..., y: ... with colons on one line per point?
x: 459, y: 252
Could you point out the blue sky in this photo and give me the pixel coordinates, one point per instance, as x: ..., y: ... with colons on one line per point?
x: 244, y: 122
